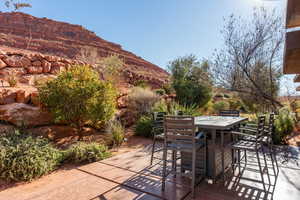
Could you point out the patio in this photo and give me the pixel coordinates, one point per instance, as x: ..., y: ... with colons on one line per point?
x: 128, y: 176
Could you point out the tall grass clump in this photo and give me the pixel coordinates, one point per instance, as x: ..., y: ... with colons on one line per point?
x: 141, y: 100
x: 117, y: 133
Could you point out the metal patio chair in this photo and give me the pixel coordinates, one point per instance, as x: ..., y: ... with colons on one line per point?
x: 180, y: 136
x: 229, y: 113
x: 254, y: 145
x: 158, y: 133
x: 266, y: 140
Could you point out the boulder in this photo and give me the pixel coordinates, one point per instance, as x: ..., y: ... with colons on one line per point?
x: 6, y: 72
x: 46, y: 66
x: 7, y: 96
x: 2, y: 64
x: 37, y: 63
x: 34, y: 70
x: 21, y: 114
x: 57, y: 67
x: 17, y: 61
x: 35, y: 100
x: 22, y: 96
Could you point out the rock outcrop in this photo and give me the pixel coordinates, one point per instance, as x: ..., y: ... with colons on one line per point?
x: 49, y: 37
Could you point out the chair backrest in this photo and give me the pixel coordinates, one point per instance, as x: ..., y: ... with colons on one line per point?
x: 229, y: 113
x: 260, y: 126
x: 158, y: 118
x: 180, y: 128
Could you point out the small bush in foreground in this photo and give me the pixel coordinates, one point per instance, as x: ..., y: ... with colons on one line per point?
x: 284, y: 125
x: 82, y: 152
x: 116, y: 130
x: 24, y: 158
x: 144, y: 126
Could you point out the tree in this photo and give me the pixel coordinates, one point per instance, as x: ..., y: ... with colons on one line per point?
x: 191, y: 80
x: 250, y: 61
x: 77, y: 96
x: 16, y: 5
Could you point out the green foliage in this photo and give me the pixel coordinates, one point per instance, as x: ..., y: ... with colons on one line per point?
x: 82, y: 152
x: 78, y: 96
x: 168, y: 88
x: 141, y: 84
x: 221, y: 105
x: 227, y: 96
x: 110, y: 67
x: 12, y: 80
x: 24, y: 158
x: 284, y: 125
x: 173, y: 107
x: 191, y: 81
x: 141, y: 101
x: 144, y: 126
x: 117, y: 131
x: 160, y: 92
x: 219, y: 95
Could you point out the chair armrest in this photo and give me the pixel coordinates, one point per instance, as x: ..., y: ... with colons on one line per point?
x: 242, y: 134
x: 199, y: 135
x: 248, y: 129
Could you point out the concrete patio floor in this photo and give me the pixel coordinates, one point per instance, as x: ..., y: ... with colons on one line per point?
x: 128, y: 177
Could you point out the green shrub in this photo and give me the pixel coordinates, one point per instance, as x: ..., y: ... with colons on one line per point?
x: 24, y: 158
x: 219, y: 95
x: 77, y: 96
x: 116, y: 130
x: 284, y: 125
x: 141, y: 84
x: 168, y: 88
x: 12, y: 80
x: 144, y: 126
x: 192, y: 109
x: 160, y: 92
x: 141, y: 101
x: 227, y: 96
x: 82, y: 152
x: 220, y: 105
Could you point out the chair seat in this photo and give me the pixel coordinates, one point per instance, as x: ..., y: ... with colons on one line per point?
x: 245, y: 145
x: 183, y: 146
x: 252, y: 138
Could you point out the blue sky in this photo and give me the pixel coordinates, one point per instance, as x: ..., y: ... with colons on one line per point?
x: 157, y: 30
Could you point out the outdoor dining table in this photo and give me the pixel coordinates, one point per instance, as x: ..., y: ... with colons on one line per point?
x: 212, y: 124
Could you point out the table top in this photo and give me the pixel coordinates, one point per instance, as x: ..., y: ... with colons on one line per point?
x: 218, y: 122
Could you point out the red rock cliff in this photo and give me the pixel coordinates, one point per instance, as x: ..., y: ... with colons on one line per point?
x: 23, y: 31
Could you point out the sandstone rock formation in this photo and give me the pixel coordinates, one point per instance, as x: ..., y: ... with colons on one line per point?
x: 20, y: 114
x: 49, y: 37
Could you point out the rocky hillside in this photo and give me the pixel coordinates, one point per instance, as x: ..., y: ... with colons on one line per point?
x: 49, y: 37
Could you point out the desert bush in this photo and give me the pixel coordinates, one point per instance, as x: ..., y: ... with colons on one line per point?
x: 144, y: 126
x: 12, y: 80
x: 160, y: 106
x: 82, y: 152
x: 284, y: 125
x: 77, y: 96
x: 141, y: 84
x: 141, y: 101
x: 168, y: 88
x: 173, y: 107
x: 227, y: 96
x: 24, y: 157
x: 220, y: 105
x: 219, y: 95
x: 160, y: 92
x: 110, y: 68
x: 116, y: 131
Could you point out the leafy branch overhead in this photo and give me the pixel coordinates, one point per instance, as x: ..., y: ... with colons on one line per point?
x: 16, y: 5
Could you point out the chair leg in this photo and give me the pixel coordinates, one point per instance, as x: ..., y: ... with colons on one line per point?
x: 175, y: 163
x: 266, y: 166
x: 163, y: 186
x: 153, y: 149
x: 261, y: 171
x: 193, y: 172
x: 239, y: 160
x: 223, y: 163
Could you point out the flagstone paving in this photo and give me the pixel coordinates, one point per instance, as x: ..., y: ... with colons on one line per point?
x: 128, y: 176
